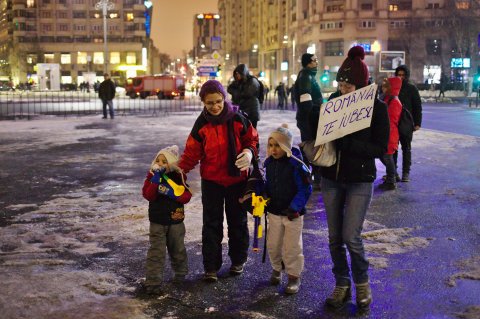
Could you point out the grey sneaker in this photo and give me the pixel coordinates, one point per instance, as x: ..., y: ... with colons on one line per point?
x: 339, y: 296
x: 405, y: 177
x: 210, y: 276
x: 293, y: 285
x: 276, y: 277
x: 236, y: 270
x: 364, y: 295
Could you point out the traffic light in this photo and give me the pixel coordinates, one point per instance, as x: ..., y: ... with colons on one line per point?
x: 219, y: 68
x: 325, y: 76
x: 476, y: 78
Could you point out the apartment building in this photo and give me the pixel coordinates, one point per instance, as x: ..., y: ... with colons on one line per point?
x: 70, y: 33
x: 430, y: 36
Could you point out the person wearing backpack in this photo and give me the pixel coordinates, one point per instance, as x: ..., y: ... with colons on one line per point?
x: 410, y: 98
x: 309, y: 99
x: 390, y: 88
x: 246, y: 90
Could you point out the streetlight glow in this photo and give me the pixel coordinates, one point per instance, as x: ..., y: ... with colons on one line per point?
x: 105, y: 5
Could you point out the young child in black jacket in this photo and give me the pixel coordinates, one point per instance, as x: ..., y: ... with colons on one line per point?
x: 167, y: 192
x: 288, y: 187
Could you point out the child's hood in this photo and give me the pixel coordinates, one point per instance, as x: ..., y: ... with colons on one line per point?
x: 395, y: 85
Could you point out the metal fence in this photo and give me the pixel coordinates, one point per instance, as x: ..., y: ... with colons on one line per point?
x: 30, y: 104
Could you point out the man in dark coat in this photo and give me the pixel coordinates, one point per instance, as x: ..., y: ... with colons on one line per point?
x: 308, y: 97
x: 410, y: 98
x: 282, y: 95
x: 106, y: 92
x: 245, y: 90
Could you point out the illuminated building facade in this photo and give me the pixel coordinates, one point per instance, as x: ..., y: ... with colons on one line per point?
x: 70, y: 33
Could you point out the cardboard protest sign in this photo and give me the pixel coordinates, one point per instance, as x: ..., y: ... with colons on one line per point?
x: 346, y: 114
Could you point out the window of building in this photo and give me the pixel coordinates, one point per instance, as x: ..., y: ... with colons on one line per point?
x: 399, y: 24
x: 366, y: 24
x: 79, y: 27
x: 434, y: 23
x: 46, y: 14
x: 366, y: 5
x: 64, y: 39
x: 79, y: 15
x: 45, y: 27
x: 98, y: 58
x: 31, y: 27
x: 114, y: 57
x: 331, y: 25
x: 49, y: 57
x: 462, y: 5
x: 335, y: 8
x: 81, y: 57
x: 64, y: 2
x: 97, y: 27
x: 46, y: 1
x: 433, y: 5
x: 433, y: 46
x: 62, y: 27
x: 31, y: 58
x: 97, y: 40
x: 78, y: 1
x: 47, y: 39
x: 31, y: 4
x: 129, y: 16
x: 334, y: 48
x: 62, y: 14
x: 131, y: 58
x: 113, y: 15
x: 399, y: 5
x: 65, y: 58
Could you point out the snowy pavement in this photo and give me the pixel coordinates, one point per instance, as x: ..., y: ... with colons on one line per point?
x: 74, y: 229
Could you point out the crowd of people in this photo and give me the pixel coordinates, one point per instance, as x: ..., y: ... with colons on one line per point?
x: 224, y: 141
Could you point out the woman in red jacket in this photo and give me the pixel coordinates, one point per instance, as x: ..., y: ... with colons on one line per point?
x: 390, y: 88
x: 224, y: 142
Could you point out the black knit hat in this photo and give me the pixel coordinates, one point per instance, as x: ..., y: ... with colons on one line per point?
x: 306, y: 59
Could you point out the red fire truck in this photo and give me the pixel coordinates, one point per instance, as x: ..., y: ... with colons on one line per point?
x: 163, y: 86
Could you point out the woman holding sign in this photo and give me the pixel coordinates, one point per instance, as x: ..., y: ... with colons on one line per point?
x: 347, y: 188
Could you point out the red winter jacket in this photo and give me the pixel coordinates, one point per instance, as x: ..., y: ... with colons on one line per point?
x: 394, y: 111
x: 208, y: 144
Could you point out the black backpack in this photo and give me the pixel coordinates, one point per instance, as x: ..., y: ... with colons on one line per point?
x: 261, y: 91
x: 405, y: 123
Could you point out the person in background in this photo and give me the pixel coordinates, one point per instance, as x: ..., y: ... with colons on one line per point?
x: 166, y: 214
x: 245, y: 90
x: 347, y: 188
x: 443, y: 85
x: 106, y: 92
x: 288, y: 189
x: 281, y: 93
x: 224, y: 142
x: 410, y: 98
x: 309, y: 99
x: 391, y: 88
x: 291, y: 92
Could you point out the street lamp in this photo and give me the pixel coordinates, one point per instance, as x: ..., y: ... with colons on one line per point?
x: 104, y: 5
x: 376, y: 47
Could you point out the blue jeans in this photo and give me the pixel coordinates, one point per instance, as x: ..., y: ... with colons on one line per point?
x: 110, y: 108
x: 346, y: 205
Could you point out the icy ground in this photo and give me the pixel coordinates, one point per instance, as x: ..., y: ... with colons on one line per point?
x: 56, y: 254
